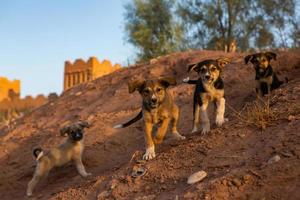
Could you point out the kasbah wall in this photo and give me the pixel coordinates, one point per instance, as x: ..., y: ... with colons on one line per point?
x: 81, y: 71
x: 12, y: 106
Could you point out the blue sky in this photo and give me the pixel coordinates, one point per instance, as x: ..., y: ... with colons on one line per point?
x: 37, y: 36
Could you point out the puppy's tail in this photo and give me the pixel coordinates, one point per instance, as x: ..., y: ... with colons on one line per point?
x: 38, y: 153
x: 136, y: 118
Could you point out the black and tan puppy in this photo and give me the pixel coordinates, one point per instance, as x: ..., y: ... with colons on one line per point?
x: 266, y: 79
x: 158, y: 109
x: 209, y: 88
x: 70, y: 150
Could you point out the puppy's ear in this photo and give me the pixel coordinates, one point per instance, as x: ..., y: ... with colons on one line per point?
x: 64, y: 130
x: 135, y: 85
x: 84, y: 124
x: 247, y: 58
x: 167, y: 81
x: 271, y: 55
x: 194, y: 66
x: 222, y: 62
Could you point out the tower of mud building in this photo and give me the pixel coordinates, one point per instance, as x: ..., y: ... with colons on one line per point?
x: 81, y: 71
x: 9, y: 89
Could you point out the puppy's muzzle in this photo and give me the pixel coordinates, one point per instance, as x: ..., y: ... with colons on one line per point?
x: 154, y: 102
x: 77, y: 136
x: 208, y: 78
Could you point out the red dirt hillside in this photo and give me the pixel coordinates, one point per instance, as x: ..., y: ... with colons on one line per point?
x: 235, y: 156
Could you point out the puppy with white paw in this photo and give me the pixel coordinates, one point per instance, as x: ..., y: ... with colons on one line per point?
x: 158, y: 111
x: 209, y: 88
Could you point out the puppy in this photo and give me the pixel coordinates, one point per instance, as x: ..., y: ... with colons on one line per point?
x: 209, y: 88
x: 70, y: 150
x: 158, y: 108
x: 265, y: 78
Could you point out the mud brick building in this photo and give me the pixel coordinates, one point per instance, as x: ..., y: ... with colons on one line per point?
x: 9, y: 89
x: 81, y: 71
x: 11, y: 105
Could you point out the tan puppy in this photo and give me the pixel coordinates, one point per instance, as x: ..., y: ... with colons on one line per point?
x: 158, y: 109
x: 70, y: 150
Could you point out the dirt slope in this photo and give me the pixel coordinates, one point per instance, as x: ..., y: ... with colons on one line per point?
x: 235, y: 155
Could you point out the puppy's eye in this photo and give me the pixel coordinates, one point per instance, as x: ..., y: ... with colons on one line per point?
x: 158, y: 89
x: 213, y: 69
x: 146, y: 91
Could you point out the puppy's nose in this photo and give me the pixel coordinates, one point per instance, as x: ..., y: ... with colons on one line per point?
x: 154, y: 100
x: 207, y: 77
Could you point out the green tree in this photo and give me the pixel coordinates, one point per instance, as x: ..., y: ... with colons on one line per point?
x: 151, y: 28
x: 216, y: 24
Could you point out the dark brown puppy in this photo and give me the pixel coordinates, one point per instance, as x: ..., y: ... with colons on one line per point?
x: 266, y: 79
x: 70, y: 150
x: 209, y: 88
x: 158, y: 108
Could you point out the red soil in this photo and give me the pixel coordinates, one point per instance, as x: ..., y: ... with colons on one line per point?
x: 234, y: 156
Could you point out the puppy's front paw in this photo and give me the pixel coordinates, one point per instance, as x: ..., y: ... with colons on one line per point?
x: 86, y: 174
x: 150, y: 153
x: 185, y: 80
x: 205, y: 129
x: 220, y: 120
x: 177, y: 136
x: 195, y: 129
x: 29, y: 194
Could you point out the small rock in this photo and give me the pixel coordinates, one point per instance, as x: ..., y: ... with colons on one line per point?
x: 189, y: 195
x: 103, y: 195
x: 78, y: 94
x: 149, y: 197
x: 113, y: 184
x: 163, y: 187
x: 247, y: 178
x: 274, y: 159
x: 263, y: 126
x: 147, y: 188
x: 196, y: 177
x: 291, y: 118
x: 90, y: 118
x: 224, y: 182
x: 91, y: 86
x: 128, y: 179
x: 236, y: 182
x: 286, y: 154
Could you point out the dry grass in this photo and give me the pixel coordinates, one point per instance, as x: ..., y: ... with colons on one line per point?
x: 257, y: 113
